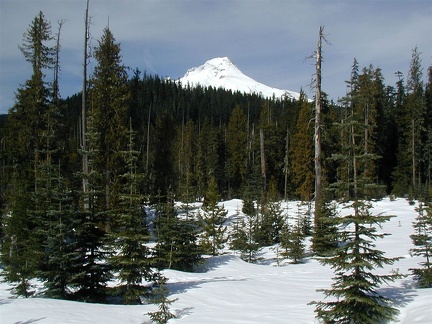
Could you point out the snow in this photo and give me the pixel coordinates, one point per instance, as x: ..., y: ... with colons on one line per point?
x: 221, y: 72
x: 226, y: 289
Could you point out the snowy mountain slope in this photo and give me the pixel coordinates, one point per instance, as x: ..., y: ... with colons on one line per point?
x: 229, y: 290
x: 222, y: 73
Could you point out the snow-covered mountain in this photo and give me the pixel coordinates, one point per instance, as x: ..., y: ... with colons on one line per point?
x: 220, y: 72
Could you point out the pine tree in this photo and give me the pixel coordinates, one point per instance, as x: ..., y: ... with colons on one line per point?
x: 28, y: 126
x: 302, y: 167
x: 243, y: 236
x: 411, y: 122
x: 177, y: 246
x: 164, y: 166
x: 269, y: 224
x: 427, y: 147
x: 422, y: 239
x: 325, y: 236
x: 292, y: 243
x: 109, y: 95
x: 212, y: 219
x: 236, y: 138
x: 55, y: 217
x: 355, y: 285
x: 91, y: 272
x: 18, y: 249
x: 131, y: 259
x: 163, y: 315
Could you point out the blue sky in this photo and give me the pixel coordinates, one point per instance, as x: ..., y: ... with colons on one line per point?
x: 268, y: 40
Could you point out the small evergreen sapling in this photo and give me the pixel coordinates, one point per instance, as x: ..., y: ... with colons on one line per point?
x: 423, y: 242
x: 163, y: 315
x: 212, y: 219
x: 356, y: 299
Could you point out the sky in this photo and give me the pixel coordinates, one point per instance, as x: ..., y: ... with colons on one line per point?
x: 268, y: 40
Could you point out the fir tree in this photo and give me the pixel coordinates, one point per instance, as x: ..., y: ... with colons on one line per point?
x: 177, y: 246
x: 243, y: 238
x: 236, y: 138
x: 109, y: 94
x: 269, y: 224
x: 91, y: 272
x: 163, y: 315
x: 212, y: 219
x: 302, y: 165
x: 28, y: 126
x: 131, y: 259
x: 422, y: 239
x: 355, y: 285
x: 325, y: 236
x: 292, y: 243
x: 17, y: 248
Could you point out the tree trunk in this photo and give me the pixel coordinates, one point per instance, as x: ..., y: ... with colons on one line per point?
x: 85, y: 169
x: 318, y: 167
x: 263, y: 164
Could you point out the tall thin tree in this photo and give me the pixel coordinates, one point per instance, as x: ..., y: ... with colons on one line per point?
x: 317, y: 135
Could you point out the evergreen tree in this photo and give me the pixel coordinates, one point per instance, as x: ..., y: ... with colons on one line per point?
x: 177, y: 246
x: 269, y: 224
x: 207, y: 157
x: 325, y: 236
x: 302, y: 162
x: 91, y: 272
x: 212, y: 219
x: 427, y: 146
x: 236, y: 138
x: 17, y: 248
x: 185, y: 157
x: 108, y: 96
x: 422, y: 239
x: 243, y: 237
x: 411, y: 121
x: 292, y: 243
x: 55, y: 215
x: 29, y: 121
x: 164, y: 165
x: 131, y: 259
x: 163, y: 315
x: 355, y: 285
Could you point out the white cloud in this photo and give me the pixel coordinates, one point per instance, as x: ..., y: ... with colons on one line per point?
x: 268, y: 40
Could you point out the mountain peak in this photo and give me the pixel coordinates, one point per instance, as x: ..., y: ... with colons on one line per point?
x: 221, y: 72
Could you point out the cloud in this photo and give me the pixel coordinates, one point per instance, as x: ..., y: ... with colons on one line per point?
x: 268, y: 40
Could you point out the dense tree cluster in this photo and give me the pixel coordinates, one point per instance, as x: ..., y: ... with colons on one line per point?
x: 152, y: 141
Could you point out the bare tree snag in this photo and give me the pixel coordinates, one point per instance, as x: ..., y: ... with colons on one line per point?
x: 85, y: 169
x: 317, y: 136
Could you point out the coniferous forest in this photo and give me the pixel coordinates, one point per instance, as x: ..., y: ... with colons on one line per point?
x: 79, y: 175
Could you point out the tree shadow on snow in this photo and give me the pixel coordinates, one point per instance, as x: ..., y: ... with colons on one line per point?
x: 30, y: 321
x: 400, y: 296
x: 213, y: 263
x: 181, y: 287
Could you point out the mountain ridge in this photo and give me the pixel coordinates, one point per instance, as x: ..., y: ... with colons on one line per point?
x: 221, y: 72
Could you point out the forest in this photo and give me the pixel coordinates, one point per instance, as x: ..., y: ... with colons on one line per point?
x: 77, y: 172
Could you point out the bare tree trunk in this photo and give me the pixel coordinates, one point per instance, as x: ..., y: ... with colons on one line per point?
x: 318, y: 166
x: 263, y: 164
x: 413, y: 153
x: 84, y: 117
x: 286, y: 164
x: 57, y: 63
x: 148, y: 140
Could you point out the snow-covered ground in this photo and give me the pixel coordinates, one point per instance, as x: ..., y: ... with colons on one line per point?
x: 229, y: 290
